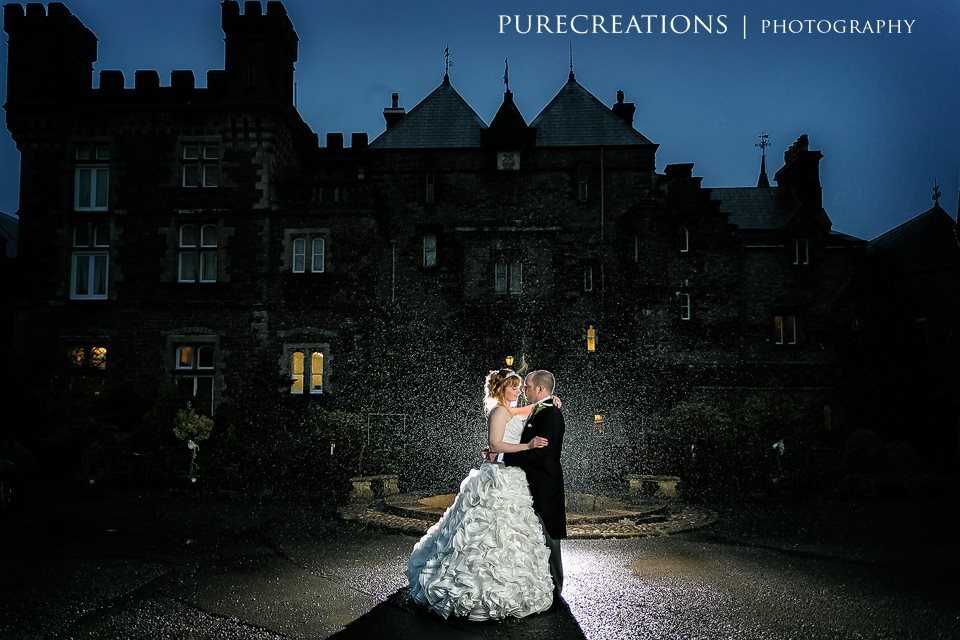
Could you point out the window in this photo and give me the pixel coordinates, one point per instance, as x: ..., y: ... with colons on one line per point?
x: 636, y: 248
x: 200, y: 164
x: 91, y: 177
x: 785, y: 329
x: 591, y: 339
x: 317, y: 254
x: 198, y: 253
x: 429, y: 250
x: 193, y: 374
x: 508, y: 277
x: 598, y: 428
x: 684, y: 299
x: 306, y: 369
x: 431, y: 193
x: 801, y: 251
x: 583, y: 184
x: 684, y: 240
x: 588, y: 278
x: 87, y: 357
x: 90, y: 261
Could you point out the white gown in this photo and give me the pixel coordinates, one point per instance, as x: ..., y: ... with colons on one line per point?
x: 486, y: 558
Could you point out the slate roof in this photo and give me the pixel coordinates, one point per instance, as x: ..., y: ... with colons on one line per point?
x: 8, y: 230
x: 926, y: 241
x: 756, y: 207
x: 575, y: 118
x: 441, y: 120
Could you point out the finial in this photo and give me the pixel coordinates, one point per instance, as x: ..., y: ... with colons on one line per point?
x: 936, y: 193
x: 571, y: 76
x: 506, y: 75
x: 446, y: 64
x: 764, y: 142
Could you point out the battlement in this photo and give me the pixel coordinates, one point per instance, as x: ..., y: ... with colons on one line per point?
x: 253, y: 21
x: 51, y: 53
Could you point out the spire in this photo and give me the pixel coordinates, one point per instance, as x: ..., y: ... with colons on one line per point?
x: 762, y: 181
x: 506, y: 76
x: 446, y: 65
x: 571, y: 77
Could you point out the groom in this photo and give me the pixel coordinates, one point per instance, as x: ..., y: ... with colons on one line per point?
x: 542, y: 466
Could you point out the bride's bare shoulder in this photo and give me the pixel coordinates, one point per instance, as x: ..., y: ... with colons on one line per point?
x: 498, y: 414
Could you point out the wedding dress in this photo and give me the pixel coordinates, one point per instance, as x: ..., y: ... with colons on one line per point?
x: 486, y: 558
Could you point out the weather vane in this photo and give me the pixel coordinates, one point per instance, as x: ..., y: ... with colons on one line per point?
x: 936, y: 193
x: 446, y: 61
x: 763, y: 144
x: 571, y: 61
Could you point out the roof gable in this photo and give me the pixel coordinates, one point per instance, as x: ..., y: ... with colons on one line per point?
x: 575, y: 118
x: 441, y: 120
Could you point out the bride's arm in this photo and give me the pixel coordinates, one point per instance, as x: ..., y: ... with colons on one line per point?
x: 497, y: 426
x: 525, y: 410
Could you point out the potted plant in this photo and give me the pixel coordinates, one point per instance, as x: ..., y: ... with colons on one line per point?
x: 192, y: 427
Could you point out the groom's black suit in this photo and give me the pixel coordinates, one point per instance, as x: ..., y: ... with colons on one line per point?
x: 542, y: 466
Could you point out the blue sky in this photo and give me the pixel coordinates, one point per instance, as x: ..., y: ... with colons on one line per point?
x: 883, y: 109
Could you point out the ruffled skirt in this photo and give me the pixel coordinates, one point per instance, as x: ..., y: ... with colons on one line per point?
x: 486, y: 558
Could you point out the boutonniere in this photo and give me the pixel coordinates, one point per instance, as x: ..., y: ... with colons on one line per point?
x: 537, y: 409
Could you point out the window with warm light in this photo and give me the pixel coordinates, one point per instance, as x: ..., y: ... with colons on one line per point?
x: 598, y: 427
x: 591, y: 339
x: 87, y: 357
x: 306, y: 367
x: 193, y: 372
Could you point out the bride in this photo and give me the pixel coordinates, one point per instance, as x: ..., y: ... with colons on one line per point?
x: 486, y: 558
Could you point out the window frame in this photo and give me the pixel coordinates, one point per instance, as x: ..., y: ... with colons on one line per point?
x: 97, y: 160
x: 783, y: 326
x: 198, y: 253
x: 429, y: 251
x: 202, y: 161
x: 797, y: 259
x: 686, y: 305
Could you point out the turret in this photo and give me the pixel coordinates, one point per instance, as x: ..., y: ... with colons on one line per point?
x: 51, y: 54
x: 261, y: 50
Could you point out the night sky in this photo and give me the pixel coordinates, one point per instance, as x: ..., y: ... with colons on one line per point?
x: 883, y: 109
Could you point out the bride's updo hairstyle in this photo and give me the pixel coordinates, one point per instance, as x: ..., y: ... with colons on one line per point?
x: 496, y: 385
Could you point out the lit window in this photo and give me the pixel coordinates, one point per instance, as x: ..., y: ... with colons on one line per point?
x: 684, y: 299
x: 200, y: 164
x: 588, y: 278
x: 87, y: 357
x: 429, y: 250
x: 90, y: 261
x: 684, y: 240
x: 598, y: 428
x: 508, y: 277
x: 785, y: 329
x: 801, y: 251
x: 591, y: 339
x: 198, y: 253
x: 194, y: 373
x: 306, y: 371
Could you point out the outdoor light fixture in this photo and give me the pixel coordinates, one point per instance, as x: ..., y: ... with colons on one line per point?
x: 509, y: 361
x: 591, y: 339
x: 598, y: 424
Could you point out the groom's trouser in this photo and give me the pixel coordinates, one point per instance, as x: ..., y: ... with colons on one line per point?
x: 556, y: 564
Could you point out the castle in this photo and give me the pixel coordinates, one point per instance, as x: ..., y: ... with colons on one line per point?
x: 205, y: 236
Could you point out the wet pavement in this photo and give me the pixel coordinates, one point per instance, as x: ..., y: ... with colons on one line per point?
x: 191, y: 565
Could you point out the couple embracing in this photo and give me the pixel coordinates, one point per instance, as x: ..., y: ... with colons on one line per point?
x: 496, y: 551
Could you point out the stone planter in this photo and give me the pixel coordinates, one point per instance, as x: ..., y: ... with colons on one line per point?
x: 366, y: 488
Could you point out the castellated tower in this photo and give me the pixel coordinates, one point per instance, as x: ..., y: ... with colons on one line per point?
x: 261, y: 50
x: 51, y: 54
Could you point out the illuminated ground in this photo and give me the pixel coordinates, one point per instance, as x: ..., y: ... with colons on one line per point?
x: 169, y: 565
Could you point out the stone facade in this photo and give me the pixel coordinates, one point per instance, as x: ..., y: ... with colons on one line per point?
x: 226, y: 240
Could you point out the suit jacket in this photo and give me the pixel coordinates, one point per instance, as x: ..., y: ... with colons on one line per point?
x: 542, y: 466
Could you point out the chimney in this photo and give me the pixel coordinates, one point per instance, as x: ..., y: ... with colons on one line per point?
x: 394, y: 113
x: 801, y: 173
x: 624, y: 110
